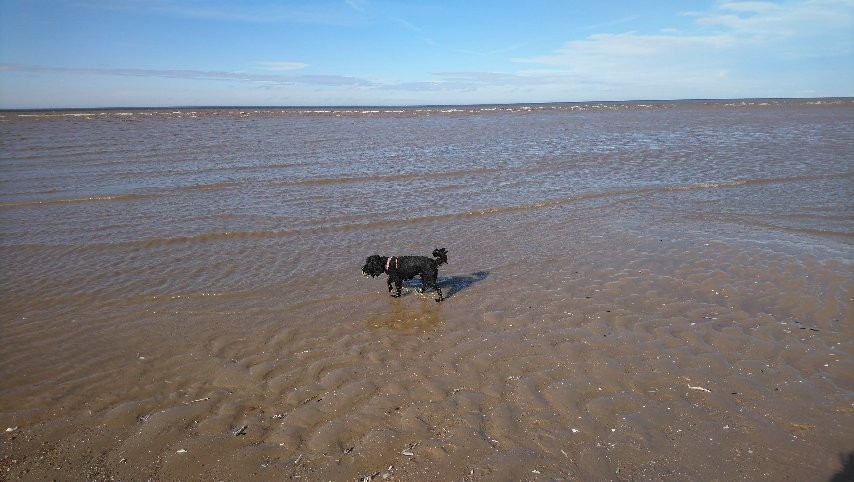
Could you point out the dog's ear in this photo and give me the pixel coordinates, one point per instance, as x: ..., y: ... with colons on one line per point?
x: 441, y: 255
x: 374, y: 260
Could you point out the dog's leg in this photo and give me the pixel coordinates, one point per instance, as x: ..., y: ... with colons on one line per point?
x: 425, y: 283
x: 439, y: 290
x: 398, y: 283
x: 429, y: 280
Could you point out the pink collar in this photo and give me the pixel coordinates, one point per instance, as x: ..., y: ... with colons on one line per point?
x: 388, y: 263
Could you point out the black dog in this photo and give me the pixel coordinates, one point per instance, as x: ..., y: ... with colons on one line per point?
x: 401, y: 268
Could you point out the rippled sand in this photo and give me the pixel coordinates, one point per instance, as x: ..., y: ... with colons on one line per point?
x: 700, y: 329
x: 573, y: 352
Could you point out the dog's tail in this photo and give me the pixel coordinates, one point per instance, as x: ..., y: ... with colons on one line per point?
x: 441, y: 255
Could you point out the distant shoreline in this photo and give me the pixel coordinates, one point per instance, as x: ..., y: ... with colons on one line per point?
x: 434, y: 106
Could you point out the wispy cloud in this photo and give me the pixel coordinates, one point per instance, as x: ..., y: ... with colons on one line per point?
x: 735, y: 48
x: 265, y: 12
x: 282, y: 66
x: 473, y: 81
x: 413, y: 28
x: 757, y: 7
x: 462, y: 81
x: 493, y: 52
x: 712, y: 59
x: 724, y: 43
x: 602, y: 52
x: 319, y: 80
x: 406, y: 23
x: 503, y: 78
x: 770, y: 22
x: 358, y: 5
x: 611, y: 23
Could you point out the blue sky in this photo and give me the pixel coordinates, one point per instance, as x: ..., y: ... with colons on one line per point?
x: 93, y: 53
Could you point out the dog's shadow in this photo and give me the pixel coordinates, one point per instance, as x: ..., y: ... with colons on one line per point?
x: 451, y: 285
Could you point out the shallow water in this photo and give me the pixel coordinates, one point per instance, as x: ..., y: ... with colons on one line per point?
x: 636, y: 290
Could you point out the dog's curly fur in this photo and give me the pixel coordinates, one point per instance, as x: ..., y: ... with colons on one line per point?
x: 401, y: 268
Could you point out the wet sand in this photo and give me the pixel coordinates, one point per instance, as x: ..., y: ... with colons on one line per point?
x: 621, y: 336
x: 611, y: 356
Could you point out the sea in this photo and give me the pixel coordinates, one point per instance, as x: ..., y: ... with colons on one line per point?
x: 134, y: 241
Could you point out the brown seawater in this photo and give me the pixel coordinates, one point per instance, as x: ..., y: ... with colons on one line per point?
x: 636, y: 290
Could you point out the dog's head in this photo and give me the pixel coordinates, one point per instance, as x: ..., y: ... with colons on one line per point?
x: 374, y: 266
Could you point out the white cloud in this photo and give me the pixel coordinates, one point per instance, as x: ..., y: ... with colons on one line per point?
x: 735, y: 49
x: 612, y: 57
x: 751, y: 42
x: 758, y: 7
x: 281, y: 66
x: 762, y: 21
x: 317, y: 80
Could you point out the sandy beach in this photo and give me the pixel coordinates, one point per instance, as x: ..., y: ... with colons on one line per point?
x: 189, y: 321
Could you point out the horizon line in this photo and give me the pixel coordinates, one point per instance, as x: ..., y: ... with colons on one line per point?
x: 412, y: 106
